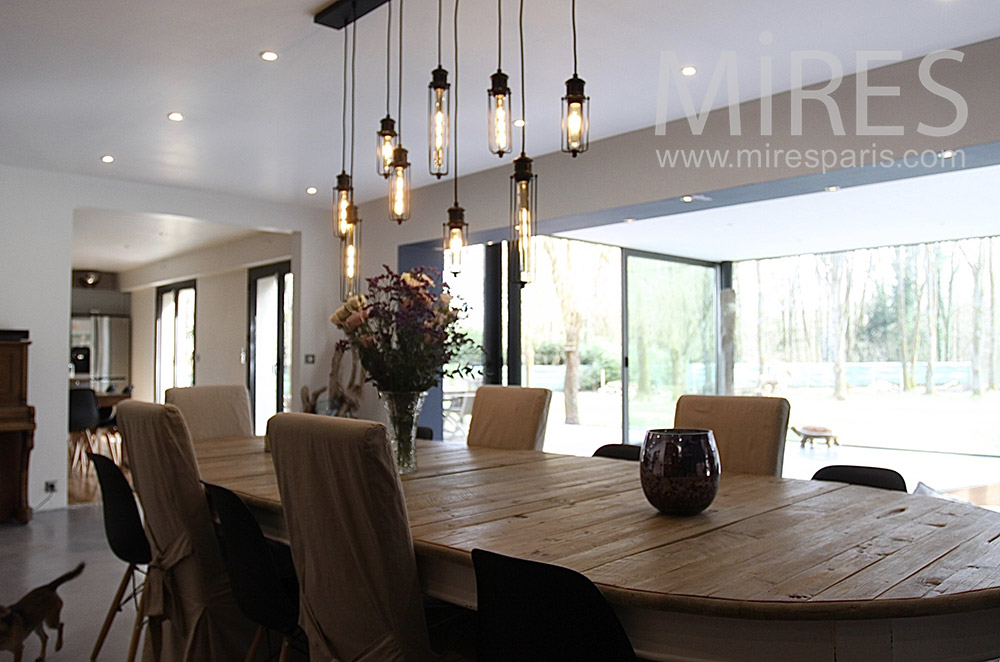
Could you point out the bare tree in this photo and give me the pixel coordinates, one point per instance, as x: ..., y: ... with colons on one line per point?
x: 839, y: 279
x: 933, y: 287
x: 976, y: 263
x: 904, y: 345
x: 992, y: 358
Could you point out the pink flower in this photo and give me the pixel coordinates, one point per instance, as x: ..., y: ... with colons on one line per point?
x: 355, y: 320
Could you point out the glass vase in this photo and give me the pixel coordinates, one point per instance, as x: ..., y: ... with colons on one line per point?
x: 402, y: 410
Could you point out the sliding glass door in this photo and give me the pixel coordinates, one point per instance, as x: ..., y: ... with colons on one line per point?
x: 270, y: 341
x: 175, y: 319
x: 672, y: 328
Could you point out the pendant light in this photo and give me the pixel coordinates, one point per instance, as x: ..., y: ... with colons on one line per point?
x: 438, y: 115
x: 343, y: 194
x: 576, y: 108
x: 399, y: 168
x: 350, y: 266
x: 524, y: 185
x: 456, y: 230
x: 499, y: 98
x: 386, y: 136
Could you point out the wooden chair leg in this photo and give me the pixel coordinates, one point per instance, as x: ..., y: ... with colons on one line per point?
x: 257, y: 637
x: 140, y: 615
x: 286, y: 645
x: 112, y: 611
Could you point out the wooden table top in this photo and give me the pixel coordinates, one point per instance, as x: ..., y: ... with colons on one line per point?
x: 767, y: 548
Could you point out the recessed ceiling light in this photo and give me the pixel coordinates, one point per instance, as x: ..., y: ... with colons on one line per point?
x: 312, y: 190
x: 629, y: 220
x: 268, y: 56
x: 832, y: 189
x: 175, y: 117
x: 107, y: 158
x: 689, y: 70
x: 947, y: 154
x: 687, y: 198
x: 519, y: 123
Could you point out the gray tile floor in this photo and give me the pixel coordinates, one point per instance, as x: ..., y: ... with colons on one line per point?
x: 54, y: 542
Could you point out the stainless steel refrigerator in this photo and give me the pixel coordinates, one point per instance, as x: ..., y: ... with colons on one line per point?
x: 100, y: 348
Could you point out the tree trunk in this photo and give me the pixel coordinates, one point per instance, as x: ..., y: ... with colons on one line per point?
x: 839, y: 275
x: 901, y: 315
x: 977, y: 319
x: 645, y: 384
x: 933, y: 285
x: 571, y: 384
x: 992, y: 358
x: 761, y: 367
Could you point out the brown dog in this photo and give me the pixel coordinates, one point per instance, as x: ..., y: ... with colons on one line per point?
x: 31, y: 613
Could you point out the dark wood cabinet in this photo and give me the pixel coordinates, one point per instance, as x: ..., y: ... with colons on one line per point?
x: 17, y: 430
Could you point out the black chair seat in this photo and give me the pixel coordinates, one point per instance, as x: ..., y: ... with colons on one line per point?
x: 885, y: 479
x: 260, y: 571
x: 537, y: 612
x: 619, y: 451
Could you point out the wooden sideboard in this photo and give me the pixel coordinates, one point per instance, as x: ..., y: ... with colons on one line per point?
x: 17, y: 430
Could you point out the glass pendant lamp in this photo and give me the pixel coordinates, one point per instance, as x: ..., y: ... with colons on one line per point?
x: 498, y: 96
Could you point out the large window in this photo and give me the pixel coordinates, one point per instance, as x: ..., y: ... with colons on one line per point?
x: 672, y: 337
x: 270, y: 341
x: 175, y: 336
x: 893, y: 347
x: 571, y: 341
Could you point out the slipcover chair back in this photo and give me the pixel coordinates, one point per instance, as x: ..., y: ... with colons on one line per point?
x: 187, y: 593
x: 749, y: 431
x: 509, y: 417
x: 359, y: 598
x: 214, y: 411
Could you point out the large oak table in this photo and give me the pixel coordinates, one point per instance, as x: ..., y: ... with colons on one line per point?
x: 775, y: 569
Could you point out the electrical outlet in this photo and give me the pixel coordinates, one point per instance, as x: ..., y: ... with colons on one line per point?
x: 50, y: 486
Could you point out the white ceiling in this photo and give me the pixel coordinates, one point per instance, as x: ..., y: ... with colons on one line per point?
x: 105, y: 240
x: 83, y: 78
x: 954, y: 205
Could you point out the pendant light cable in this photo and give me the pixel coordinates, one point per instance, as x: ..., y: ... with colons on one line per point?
x: 520, y: 28
x: 399, y: 94
x: 439, y: 34
x: 343, y: 114
x: 499, y: 34
x: 573, y: 6
x: 388, y: 56
x: 455, y: 140
x: 354, y: 50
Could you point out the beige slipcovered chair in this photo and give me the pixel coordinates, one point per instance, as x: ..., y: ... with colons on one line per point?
x: 214, y: 411
x: 749, y: 431
x: 193, y: 615
x: 359, y: 598
x: 509, y: 417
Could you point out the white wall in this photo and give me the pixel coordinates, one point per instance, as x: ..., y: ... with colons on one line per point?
x: 36, y: 220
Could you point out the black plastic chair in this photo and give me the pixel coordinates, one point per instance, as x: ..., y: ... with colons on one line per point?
x: 619, y: 451
x: 885, y: 479
x: 84, y: 417
x: 127, y: 539
x: 260, y: 571
x: 537, y: 612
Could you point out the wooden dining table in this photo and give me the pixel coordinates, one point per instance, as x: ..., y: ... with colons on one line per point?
x: 774, y: 569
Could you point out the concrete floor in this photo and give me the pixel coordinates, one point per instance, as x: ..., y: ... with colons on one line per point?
x: 54, y: 542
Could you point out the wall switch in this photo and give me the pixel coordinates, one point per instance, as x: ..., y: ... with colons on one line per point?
x: 310, y: 358
x: 50, y: 486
